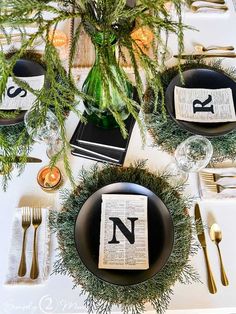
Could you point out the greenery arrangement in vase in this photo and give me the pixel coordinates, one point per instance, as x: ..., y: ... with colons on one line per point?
x: 104, y: 112
x: 117, y: 19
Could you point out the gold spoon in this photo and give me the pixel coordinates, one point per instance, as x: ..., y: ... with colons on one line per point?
x: 201, y: 48
x: 216, y: 236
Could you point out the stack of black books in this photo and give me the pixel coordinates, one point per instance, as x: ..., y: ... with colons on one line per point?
x: 92, y: 142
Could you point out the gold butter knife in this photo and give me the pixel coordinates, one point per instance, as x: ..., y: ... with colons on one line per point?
x: 201, y: 237
x: 207, y: 55
x: 28, y: 159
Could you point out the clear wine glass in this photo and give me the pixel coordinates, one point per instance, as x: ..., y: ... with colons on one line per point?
x: 47, y: 131
x: 191, y: 155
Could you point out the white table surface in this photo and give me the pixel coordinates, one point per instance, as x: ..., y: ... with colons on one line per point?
x: 57, y: 295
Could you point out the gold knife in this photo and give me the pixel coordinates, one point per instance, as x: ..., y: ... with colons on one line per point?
x: 207, y: 55
x: 28, y: 159
x: 201, y: 237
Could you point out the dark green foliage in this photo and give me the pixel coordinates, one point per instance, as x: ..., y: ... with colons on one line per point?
x: 131, y: 299
x: 107, y: 19
x: 167, y: 134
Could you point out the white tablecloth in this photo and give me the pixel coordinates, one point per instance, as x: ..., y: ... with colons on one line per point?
x: 57, y: 295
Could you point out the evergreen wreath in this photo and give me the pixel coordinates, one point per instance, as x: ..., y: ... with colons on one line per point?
x: 101, y: 296
x: 14, y: 139
x: 167, y: 134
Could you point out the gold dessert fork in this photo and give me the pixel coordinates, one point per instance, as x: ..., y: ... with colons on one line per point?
x: 36, y: 221
x: 214, y: 177
x: 218, y: 188
x: 26, y: 221
x: 216, y: 237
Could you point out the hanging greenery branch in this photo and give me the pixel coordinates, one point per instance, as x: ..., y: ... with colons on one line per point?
x: 108, y: 23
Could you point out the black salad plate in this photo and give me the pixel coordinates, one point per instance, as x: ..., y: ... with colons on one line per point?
x: 201, y: 78
x: 160, y: 235
x: 23, y: 68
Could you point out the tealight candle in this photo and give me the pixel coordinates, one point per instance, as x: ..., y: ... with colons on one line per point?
x: 49, y: 178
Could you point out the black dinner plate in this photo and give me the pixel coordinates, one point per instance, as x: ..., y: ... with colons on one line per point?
x: 160, y: 235
x: 23, y: 68
x: 201, y: 78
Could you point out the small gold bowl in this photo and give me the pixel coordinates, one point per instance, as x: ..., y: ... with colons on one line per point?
x: 49, y: 178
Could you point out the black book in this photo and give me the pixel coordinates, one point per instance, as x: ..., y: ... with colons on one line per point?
x: 113, y: 155
x: 90, y: 155
x: 90, y: 134
x: 92, y: 142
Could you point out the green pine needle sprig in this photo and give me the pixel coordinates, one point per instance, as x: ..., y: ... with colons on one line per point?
x: 112, y: 19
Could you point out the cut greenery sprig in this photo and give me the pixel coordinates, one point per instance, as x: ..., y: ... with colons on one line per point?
x: 109, y: 17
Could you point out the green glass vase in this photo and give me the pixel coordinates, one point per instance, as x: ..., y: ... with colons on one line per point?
x: 98, y: 110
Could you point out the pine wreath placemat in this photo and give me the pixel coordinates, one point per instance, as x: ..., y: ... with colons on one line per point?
x: 14, y: 139
x: 167, y: 134
x: 101, y: 296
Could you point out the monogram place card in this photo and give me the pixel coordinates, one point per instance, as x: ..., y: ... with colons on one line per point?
x: 20, y: 98
x: 123, y: 232
x: 204, y: 105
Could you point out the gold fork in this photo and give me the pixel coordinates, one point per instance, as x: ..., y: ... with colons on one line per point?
x: 26, y: 221
x: 217, y: 188
x: 214, y: 177
x: 36, y: 221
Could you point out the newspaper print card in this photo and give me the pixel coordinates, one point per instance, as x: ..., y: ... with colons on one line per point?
x: 204, y: 105
x: 123, y: 232
x: 19, y: 98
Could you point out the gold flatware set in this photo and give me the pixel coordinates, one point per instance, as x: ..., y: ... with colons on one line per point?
x: 212, y: 183
x: 212, y: 5
x: 209, y: 52
x: 216, y: 237
x: 206, y: 55
x: 200, y: 48
x: 27, y: 220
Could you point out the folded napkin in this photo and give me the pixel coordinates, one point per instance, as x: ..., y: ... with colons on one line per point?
x: 43, y: 240
x: 225, y: 193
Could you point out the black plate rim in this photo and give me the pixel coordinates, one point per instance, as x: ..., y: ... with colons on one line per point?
x: 189, y: 126
x: 172, y: 238
x: 13, y: 121
x: 19, y: 118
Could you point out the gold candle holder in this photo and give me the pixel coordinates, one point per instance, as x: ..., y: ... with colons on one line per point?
x: 49, y: 178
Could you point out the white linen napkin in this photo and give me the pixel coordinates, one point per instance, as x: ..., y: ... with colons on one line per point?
x: 226, y: 193
x: 43, y: 241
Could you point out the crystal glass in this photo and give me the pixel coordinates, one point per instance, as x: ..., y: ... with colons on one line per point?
x: 194, y: 153
x: 48, y: 130
x: 191, y: 155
